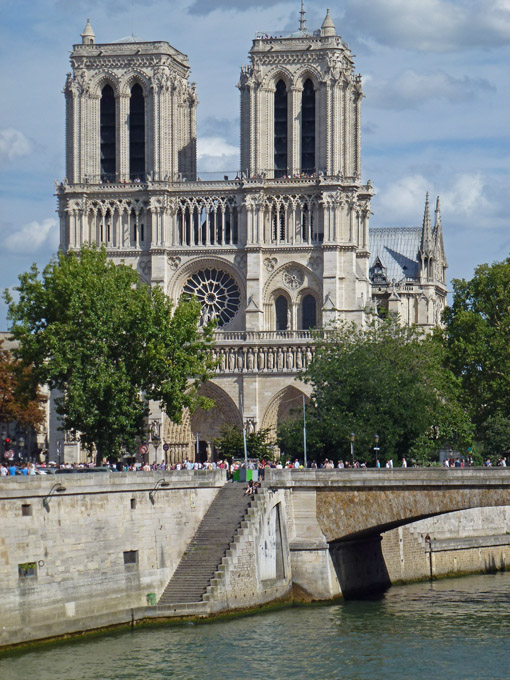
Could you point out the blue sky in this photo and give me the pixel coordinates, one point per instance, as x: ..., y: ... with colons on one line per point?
x: 435, y: 117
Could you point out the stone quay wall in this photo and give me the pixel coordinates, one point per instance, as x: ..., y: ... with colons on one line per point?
x: 102, y: 548
x: 476, y: 540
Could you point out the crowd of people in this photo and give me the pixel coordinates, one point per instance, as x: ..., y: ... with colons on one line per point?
x: 10, y: 468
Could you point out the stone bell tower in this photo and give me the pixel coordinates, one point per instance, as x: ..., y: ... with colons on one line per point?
x: 301, y: 105
x: 130, y: 112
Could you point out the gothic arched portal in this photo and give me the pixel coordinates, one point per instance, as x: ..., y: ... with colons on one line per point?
x: 287, y: 404
x: 207, y: 424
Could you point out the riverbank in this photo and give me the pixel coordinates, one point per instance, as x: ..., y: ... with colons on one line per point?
x: 97, y: 553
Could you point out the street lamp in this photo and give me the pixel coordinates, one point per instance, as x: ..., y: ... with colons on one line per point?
x: 155, y: 432
x: 160, y: 484
x: 21, y: 444
x: 56, y: 488
x: 353, y: 437
x: 376, y: 448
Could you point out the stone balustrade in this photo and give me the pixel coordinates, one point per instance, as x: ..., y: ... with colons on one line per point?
x: 263, y: 359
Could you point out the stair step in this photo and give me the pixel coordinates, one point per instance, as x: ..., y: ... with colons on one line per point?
x: 207, y: 549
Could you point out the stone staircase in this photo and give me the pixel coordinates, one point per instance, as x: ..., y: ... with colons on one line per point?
x: 207, y: 548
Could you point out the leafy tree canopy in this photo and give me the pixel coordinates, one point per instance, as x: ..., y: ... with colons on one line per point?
x: 231, y: 444
x: 478, y: 340
x: 109, y: 344
x: 385, y: 379
x: 20, y: 400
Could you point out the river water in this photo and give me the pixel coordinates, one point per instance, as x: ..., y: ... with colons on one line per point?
x: 454, y: 629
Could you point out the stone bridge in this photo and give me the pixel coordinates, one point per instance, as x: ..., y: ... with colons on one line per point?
x: 335, y: 518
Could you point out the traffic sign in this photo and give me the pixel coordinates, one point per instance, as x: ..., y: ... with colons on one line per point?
x: 166, y: 447
x: 144, y: 449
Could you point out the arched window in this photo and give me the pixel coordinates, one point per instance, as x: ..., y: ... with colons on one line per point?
x: 308, y: 128
x: 281, y: 309
x: 280, y: 129
x: 107, y: 132
x: 137, y: 133
x: 309, y: 312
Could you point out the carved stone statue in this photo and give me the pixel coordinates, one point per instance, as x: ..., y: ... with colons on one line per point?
x: 270, y: 360
x: 290, y: 360
x: 250, y: 359
x: 279, y: 359
x: 260, y: 360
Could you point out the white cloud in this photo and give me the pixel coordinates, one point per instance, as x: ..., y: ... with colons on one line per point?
x: 13, y: 143
x: 466, y: 196
x: 430, y: 25
x: 464, y: 201
x: 409, y: 89
x: 215, y: 156
x: 400, y: 203
x: 32, y: 236
x: 214, y: 146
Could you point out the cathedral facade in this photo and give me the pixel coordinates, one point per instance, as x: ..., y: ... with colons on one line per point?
x: 280, y: 249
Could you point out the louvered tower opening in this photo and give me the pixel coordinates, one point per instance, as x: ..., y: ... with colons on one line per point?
x: 137, y: 133
x: 308, y: 128
x: 107, y: 132
x: 280, y: 129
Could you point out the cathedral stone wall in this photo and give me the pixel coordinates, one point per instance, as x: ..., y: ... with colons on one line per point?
x: 283, y: 247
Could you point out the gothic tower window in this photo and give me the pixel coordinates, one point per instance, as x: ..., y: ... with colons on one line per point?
x: 281, y: 310
x: 280, y: 129
x: 308, y: 128
x: 137, y: 133
x: 309, y: 312
x: 307, y: 223
x: 108, y: 146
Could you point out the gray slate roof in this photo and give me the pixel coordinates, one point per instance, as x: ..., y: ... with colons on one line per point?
x: 396, y: 247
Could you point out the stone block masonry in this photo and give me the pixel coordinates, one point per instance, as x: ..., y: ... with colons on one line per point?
x: 98, y: 552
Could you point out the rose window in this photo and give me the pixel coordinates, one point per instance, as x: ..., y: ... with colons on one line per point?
x: 218, y: 294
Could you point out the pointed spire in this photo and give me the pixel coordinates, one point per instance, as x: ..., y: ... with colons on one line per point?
x: 328, y: 27
x: 88, y: 36
x: 438, y: 214
x: 438, y: 236
x: 426, y: 234
x: 302, y: 20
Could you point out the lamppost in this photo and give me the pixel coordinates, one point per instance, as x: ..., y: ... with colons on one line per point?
x: 376, y: 449
x: 21, y: 444
x: 155, y: 432
x: 353, y: 437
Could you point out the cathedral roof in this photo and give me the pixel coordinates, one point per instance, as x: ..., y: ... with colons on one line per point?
x: 397, y: 249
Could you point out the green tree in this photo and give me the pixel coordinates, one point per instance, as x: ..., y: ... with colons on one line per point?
x: 109, y: 344
x: 231, y: 444
x: 477, y: 330
x: 496, y: 433
x: 385, y: 379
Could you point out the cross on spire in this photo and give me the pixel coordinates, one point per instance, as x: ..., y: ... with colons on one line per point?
x: 302, y: 20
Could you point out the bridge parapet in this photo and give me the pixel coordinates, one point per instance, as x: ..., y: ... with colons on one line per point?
x: 397, y: 477
x: 347, y: 504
